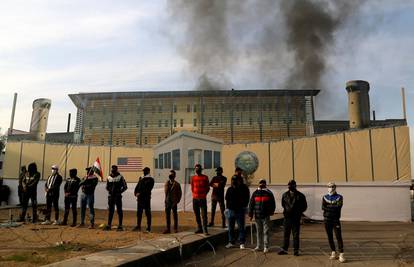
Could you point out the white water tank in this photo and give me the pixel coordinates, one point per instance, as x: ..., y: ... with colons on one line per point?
x: 40, y: 115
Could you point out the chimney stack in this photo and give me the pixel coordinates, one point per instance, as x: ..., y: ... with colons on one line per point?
x: 358, y: 104
x: 40, y: 114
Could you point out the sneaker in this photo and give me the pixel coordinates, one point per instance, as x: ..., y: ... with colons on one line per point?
x: 282, y: 252
x: 81, y: 225
x: 296, y: 253
x: 229, y: 245
x: 265, y: 250
x: 91, y: 226
x: 257, y: 248
x: 107, y: 228
x: 333, y: 255
x: 73, y: 225
x: 120, y: 228
x: 199, y: 231
x: 166, y: 231
x: 242, y: 246
x: 64, y: 223
x: 341, y: 257
x: 56, y: 222
x: 148, y: 230
x: 47, y: 222
x: 136, y: 229
x: 211, y: 224
x: 206, y: 233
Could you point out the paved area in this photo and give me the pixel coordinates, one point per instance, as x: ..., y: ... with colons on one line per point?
x: 366, y: 244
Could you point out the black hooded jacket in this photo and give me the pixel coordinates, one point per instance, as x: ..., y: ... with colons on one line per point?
x: 115, y: 184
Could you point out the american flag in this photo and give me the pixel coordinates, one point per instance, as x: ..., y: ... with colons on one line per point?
x: 129, y: 164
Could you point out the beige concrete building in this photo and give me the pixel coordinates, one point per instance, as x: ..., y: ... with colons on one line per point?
x: 235, y: 116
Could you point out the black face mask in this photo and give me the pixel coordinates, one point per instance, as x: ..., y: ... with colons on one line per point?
x: 292, y: 188
x: 198, y: 171
x: 171, y: 177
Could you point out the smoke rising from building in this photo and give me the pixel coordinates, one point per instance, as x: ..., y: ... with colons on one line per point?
x: 287, y: 41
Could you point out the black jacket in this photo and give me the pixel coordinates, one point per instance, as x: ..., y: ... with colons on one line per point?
x: 293, y: 204
x: 116, y: 185
x: 143, y: 188
x: 88, y: 184
x: 30, y: 182
x: 262, y: 204
x: 72, y: 186
x: 331, y: 206
x: 237, y: 198
x: 52, y: 185
x: 218, y: 192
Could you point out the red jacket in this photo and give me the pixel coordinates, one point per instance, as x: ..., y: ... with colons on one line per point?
x: 200, y: 186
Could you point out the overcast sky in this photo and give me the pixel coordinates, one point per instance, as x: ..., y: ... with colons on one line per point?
x: 55, y: 48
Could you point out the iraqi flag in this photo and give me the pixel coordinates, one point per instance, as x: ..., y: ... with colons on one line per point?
x: 97, y: 168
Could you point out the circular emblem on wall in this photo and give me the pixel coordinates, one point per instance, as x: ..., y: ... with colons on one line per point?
x: 247, y: 161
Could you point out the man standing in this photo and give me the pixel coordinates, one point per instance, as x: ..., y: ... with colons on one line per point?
x: 173, y: 195
x: 262, y: 206
x: 71, y: 189
x: 218, y: 183
x: 23, y: 173
x: 52, y: 189
x: 29, y: 190
x: 143, y: 194
x: 115, y: 185
x: 88, y: 185
x: 237, y: 199
x: 331, y: 206
x: 294, y: 204
x: 199, y: 188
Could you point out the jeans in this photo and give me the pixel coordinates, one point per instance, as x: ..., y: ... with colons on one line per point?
x: 141, y: 206
x: 70, y: 202
x: 239, y: 217
x: 213, y: 211
x: 112, y: 202
x: 87, y: 199
x: 262, y: 228
x: 168, y: 209
x: 52, y: 200
x: 32, y: 196
x: 291, y: 225
x: 331, y: 227
x: 197, y: 205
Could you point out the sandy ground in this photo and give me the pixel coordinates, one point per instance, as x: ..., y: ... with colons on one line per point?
x: 36, y: 244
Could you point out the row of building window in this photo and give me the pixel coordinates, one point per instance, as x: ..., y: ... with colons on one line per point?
x: 165, y: 123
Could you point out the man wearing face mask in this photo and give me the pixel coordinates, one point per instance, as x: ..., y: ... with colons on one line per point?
x: 262, y: 206
x: 29, y: 189
x: 294, y: 204
x: 143, y: 194
x: 115, y: 185
x: 199, y: 188
x: 331, y: 206
x: 71, y: 189
x: 173, y: 195
x: 52, y: 188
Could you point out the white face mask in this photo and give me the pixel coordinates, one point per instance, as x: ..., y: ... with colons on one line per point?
x: 54, y: 172
x: 331, y: 190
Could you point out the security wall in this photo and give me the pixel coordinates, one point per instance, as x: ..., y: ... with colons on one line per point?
x: 371, y: 155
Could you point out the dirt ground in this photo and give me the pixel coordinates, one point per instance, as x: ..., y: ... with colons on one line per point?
x: 36, y: 244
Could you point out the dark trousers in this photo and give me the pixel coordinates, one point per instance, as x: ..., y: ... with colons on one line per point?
x: 32, y: 196
x: 141, y: 206
x: 112, y: 202
x: 70, y: 202
x: 331, y: 227
x: 197, y: 205
x: 213, y: 210
x: 291, y: 225
x: 168, y: 209
x: 52, y: 200
x: 20, y: 194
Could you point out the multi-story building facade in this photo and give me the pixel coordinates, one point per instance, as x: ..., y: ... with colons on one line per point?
x: 235, y: 116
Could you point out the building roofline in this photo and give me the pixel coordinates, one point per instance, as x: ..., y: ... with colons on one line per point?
x: 81, y: 99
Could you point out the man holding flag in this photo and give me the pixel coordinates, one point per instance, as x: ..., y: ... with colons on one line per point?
x: 88, y: 185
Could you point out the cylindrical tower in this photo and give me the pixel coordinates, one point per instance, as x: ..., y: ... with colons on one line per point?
x: 40, y: 114
x: 358, y: 104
